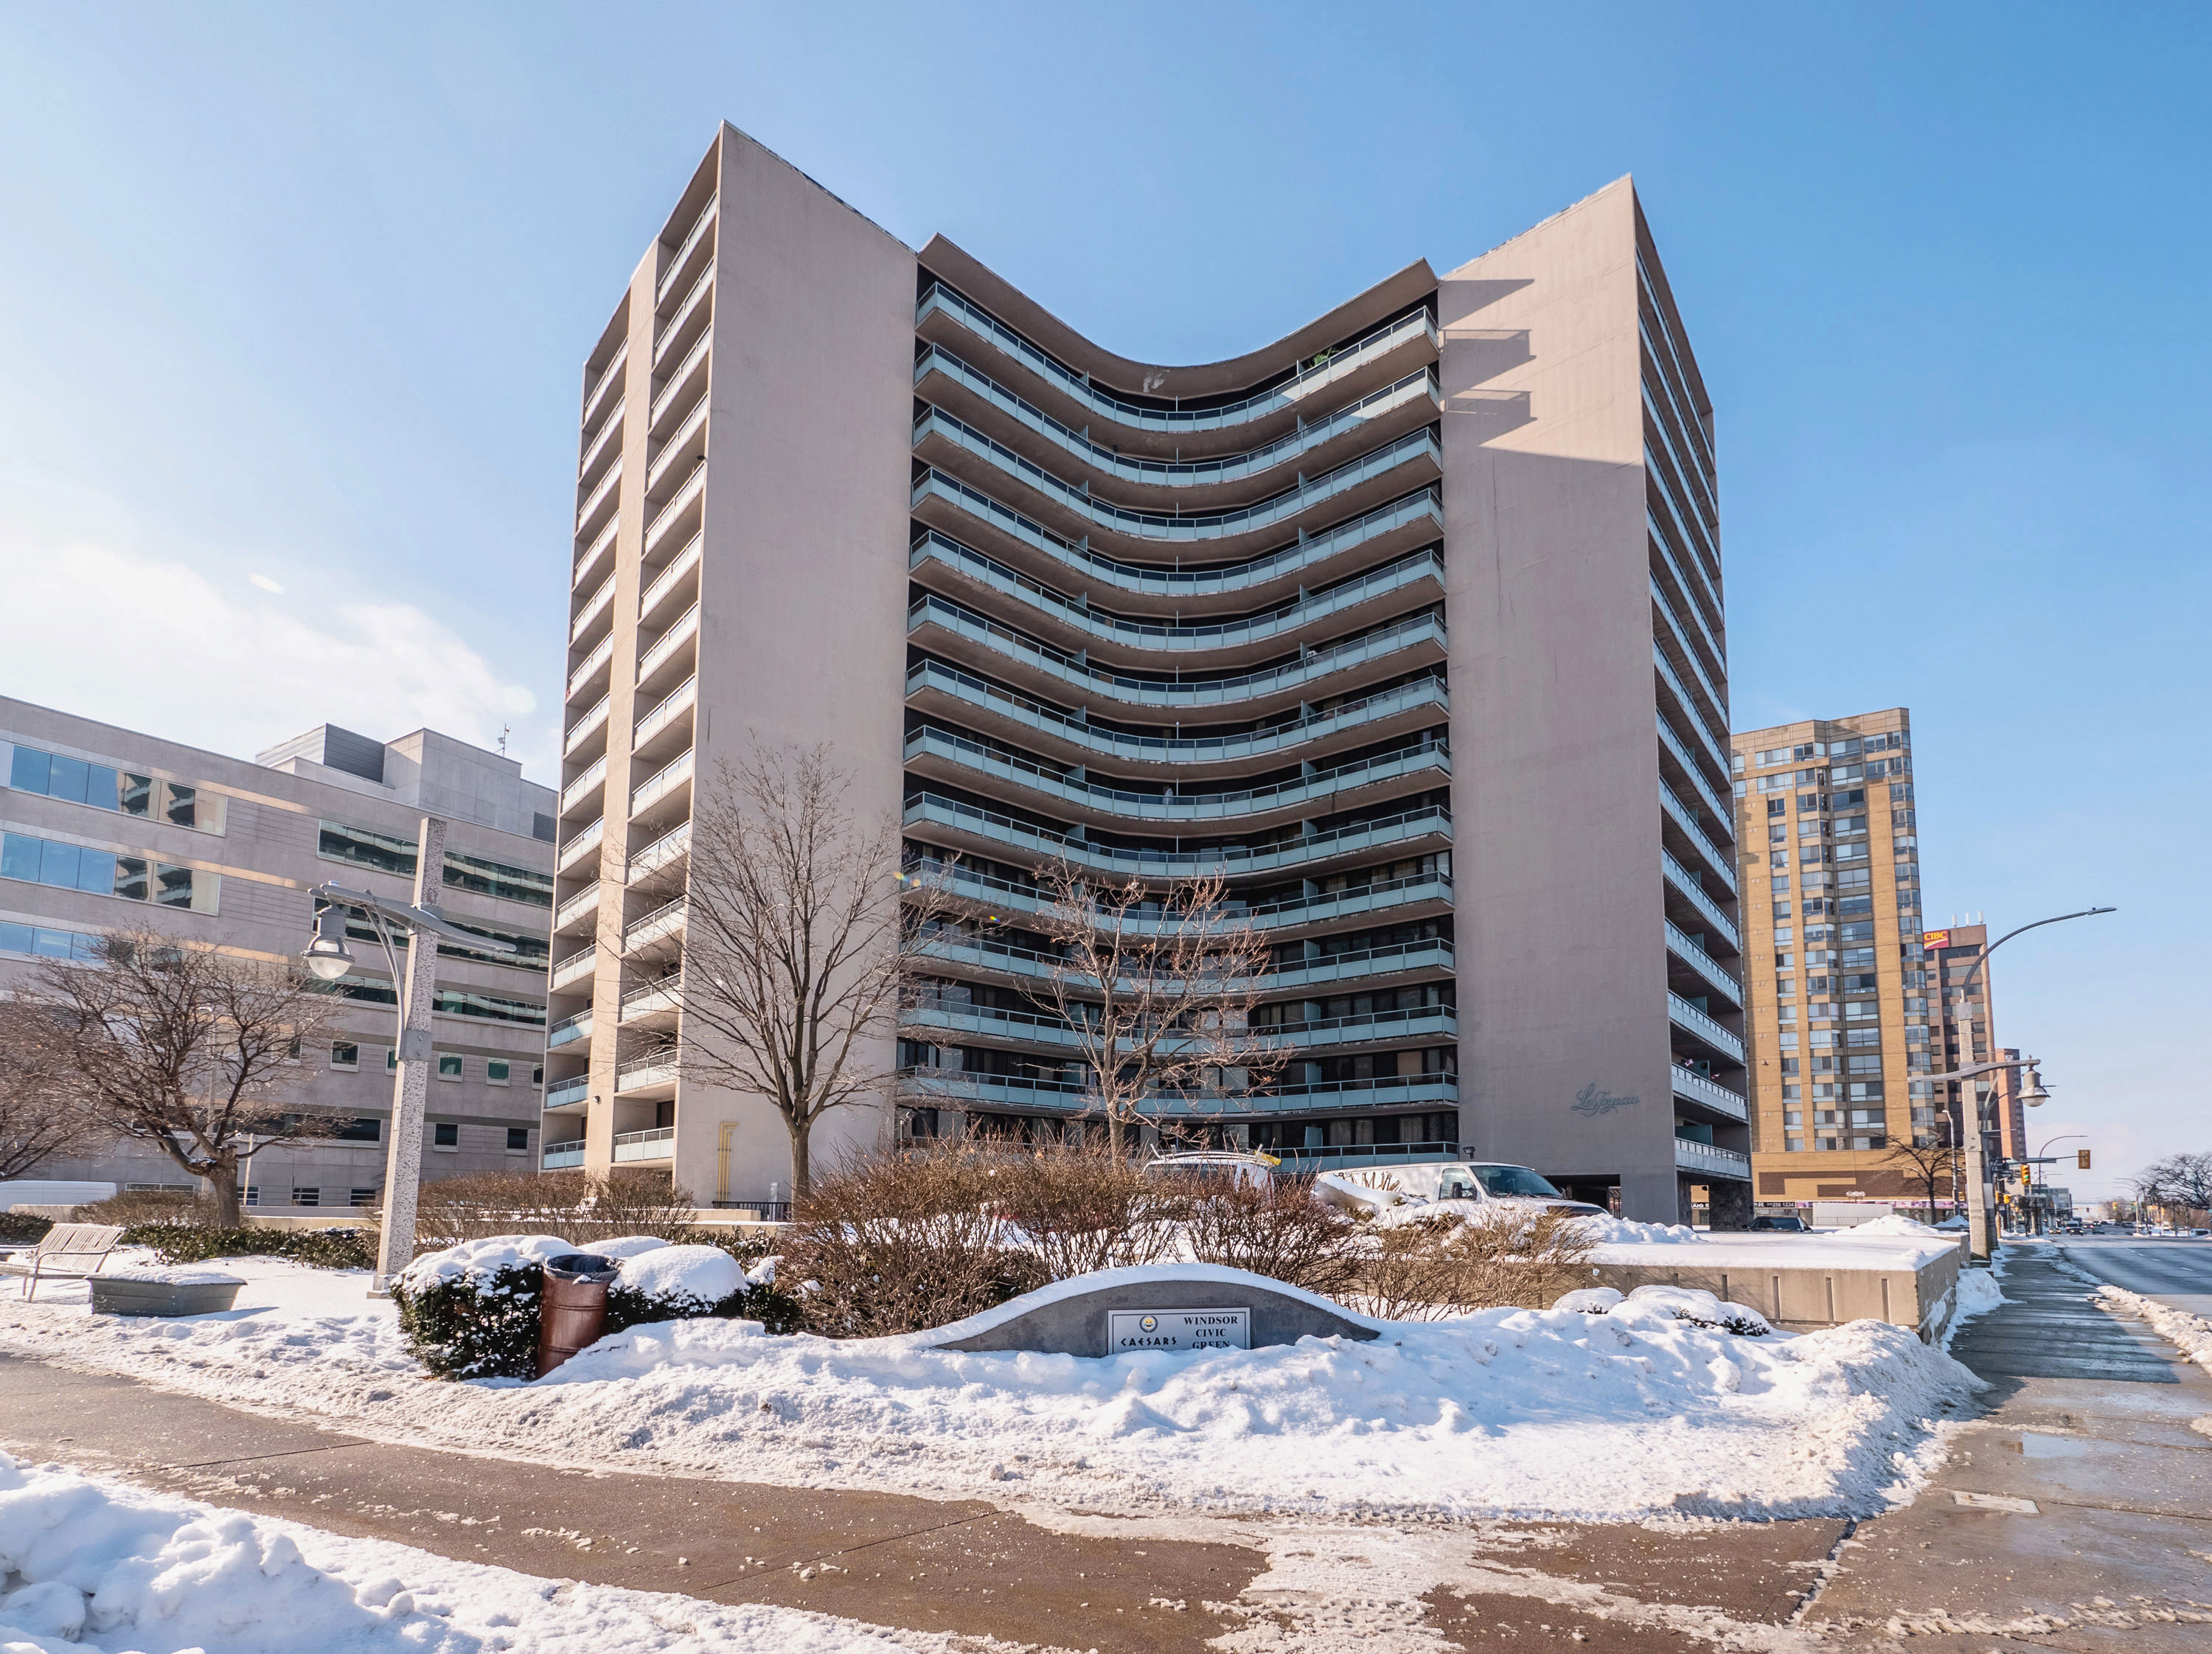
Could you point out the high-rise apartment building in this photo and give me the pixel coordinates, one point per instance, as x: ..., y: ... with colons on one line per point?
x: 1840, y: 992
x: 1964, y: 1034
x: 107, y: 830
x: 1411, y: 622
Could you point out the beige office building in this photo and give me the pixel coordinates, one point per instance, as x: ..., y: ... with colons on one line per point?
x: 1410, y: 622
x: 105, y: 829
x: 1839, y: 988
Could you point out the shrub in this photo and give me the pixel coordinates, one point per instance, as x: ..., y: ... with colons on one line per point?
x: 475, y: 1326
x: 136, y: 1206
x: 22, y: 1228
x: 903, y: 1241
x: 322, y: 1249
x: 1429, y: 1267
x: 573, y: 1205
x: 1275, y: 1228
x: 1085, y: 1208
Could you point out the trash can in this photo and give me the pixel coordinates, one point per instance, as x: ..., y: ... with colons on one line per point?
x: 573, y: 1312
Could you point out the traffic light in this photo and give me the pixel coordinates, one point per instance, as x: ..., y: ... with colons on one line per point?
x: 2080, y: 1160
x: 2027, y: 1177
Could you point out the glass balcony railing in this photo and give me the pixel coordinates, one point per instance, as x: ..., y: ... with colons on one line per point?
x: 1719, y: 863
x: 1693, y: 714
x: 1415, y: 390
x: 664, y: 852
x: 1422, y: 694
x: 1280, y: 510
x: 663, y: 781
x: 1429, y: 760
x: 1700, y: 1088
x: 1400, y: 574
x: 1685, y: 1016
x: 1430, y: 821
x: 1691, y: 768
x: 1714, y: 707
x: 591, y: 560
x: 584, y: 786
x: 681, y: 631
x: 1714, y: 973
x: 575, y: 846
x: 924, y: 1086
x: 569, y: 1093
x: 666, y: 920
x: 956, y: 950
x: 599, y: 498
x: 592, y: 665
x: 932, y: 1019
x: 1685, y: 883
x: 1707, y: 1160
x: 680, y: 567
x: 656, y: 1145
x: 582, y: 729
x: 574, y: 1028
x: 564, y: 1156
x: 700, y: 226
x: 1412, y: 632
x: 664, y: 520
x: 1422, y: 511
x: 574, y: 966
x: 1306, y: 381
x: 1348, y: 901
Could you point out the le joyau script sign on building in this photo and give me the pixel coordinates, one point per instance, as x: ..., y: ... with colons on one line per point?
x: 1128, y: 1330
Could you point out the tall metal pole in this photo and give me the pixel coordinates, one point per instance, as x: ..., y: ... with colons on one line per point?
x: 1980, y: 1243
x: 411, y: 1088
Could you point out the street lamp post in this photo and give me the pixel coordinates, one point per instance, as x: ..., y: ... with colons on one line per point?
x: 2042, y: 1181
x: 328, y: 958
x: 1977, y: 1198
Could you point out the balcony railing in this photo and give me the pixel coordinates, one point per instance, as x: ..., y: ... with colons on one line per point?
x: 587, y: 562
x: 677, y: 377
x: 1695, y: 1087
x: 1704, y: 963
x: 1711, y: 1160
x: 608, y: 427
x: 569, y: 1093
x: 664, y: 921
x: 1422, y: 510
x: 1686, y: 885
x: 574, y: 965
x: 926, y: 1087
x: 658, y: 1145
x: 1131, y: 748
x: 1379, y: 895
x: 683, y: 628
x: 1686, y: 1016
x: 1721, y: 863
x: 578, y: 843
x: 1673, y: 743
x: 610, y: 377
x: 587, y: 513
x: 1419, y: 387
x: 1310, y: 377
x: 1400, y: 574
x: 699, y: 226
x: 1693, y: 714
x: 574, y: 1028
x: 592, y: 665
x: 663, y: 781
x: 671, y: 706
x: 1319, y: 788
x: 671, y: 577
x: 564, y: 1156
x: 593, y: 608
x: 1714, y: 707
x: 1282, y: 508
x: 671, y: 452
x: 584, y: 786
x: 679, y: 320
x: 988, y: 954
x: 666, y: 993
x: 658, y: 527
x: 669, y: 848
x: 583, y: 726
x: 1087, y: 680
x: 1430, y: 821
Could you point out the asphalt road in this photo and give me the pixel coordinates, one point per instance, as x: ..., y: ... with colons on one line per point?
x: 2177, y: 1273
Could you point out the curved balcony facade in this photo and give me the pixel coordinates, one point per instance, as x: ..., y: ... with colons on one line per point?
x: 1166, y: 641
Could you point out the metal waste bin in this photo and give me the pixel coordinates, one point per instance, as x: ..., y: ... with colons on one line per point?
x: 573, y: 1312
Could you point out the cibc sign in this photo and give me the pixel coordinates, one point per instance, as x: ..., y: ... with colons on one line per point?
x: 1129, y: 1330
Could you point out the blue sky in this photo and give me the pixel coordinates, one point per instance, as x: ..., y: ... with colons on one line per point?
x: 297, y: 297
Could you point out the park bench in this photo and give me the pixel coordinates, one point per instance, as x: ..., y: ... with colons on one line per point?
x: 64, y: 1255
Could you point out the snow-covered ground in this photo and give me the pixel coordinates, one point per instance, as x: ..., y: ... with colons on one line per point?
x: 91, y: 1564
x: 2190, y: 1333
x: 1505, y: 1411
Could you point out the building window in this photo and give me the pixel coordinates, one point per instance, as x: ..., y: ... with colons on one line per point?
x: 537, y: 1075
x: 306, y: 1197
x: 496, y: 1071
x: 38, y: 942
x: 365, y: 847
x: 364, y: 1197
x: 345, y: 1056
x: 449, y: 1067
x: 361, y: 1128
x: 103, y: 873
x: 456, y: 1003
x: 517, y: 1139
x: 446, y: 1136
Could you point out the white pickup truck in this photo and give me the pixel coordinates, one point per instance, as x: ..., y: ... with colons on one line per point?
x: 1373, y: 1188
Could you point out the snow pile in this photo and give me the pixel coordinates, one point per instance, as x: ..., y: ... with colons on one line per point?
x: 705, y: 1273
x: 1605, y: 1230
x: 483, y: 1259
x: 1895, y: 1224
x: 624, y: 1246
x: 2190, y: 1333
x: 177, y: 1275
x: 1503, y: 1413
x: 92, y: 1565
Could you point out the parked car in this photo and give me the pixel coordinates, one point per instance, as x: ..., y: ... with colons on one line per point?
x: 1213, y: 1165
x: 1781, y: 1226
x: 1488, y: 1183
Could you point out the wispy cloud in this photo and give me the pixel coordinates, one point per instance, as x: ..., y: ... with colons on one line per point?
x: 155, y: 645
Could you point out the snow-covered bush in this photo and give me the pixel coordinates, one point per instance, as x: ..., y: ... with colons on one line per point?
x: 688, y: 1283
x: 321, y: 1248
x: 1483, y: 1258
x: 1690, y: 1304
x: 471, y: 1311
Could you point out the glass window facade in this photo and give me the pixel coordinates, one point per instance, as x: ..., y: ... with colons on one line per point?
x: 105, y: 872
x: 365, y: 847
x: 42, y: 942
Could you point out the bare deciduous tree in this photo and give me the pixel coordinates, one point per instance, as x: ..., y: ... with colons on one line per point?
x: 1159, y: 991
x: 187, y: 1049
x: 796, y: 941
x: 41, y: 1115
x: 1929, y: 1161
x: 2179, y: 1180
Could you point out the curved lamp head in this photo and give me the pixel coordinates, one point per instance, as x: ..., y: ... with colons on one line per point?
x: 2035, y: 1096
x: 328, y: 958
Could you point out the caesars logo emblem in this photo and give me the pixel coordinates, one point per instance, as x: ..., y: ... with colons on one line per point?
x: 1151, y: 1323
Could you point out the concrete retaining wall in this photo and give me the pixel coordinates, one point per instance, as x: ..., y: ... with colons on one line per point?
x: 1800, y: 1297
